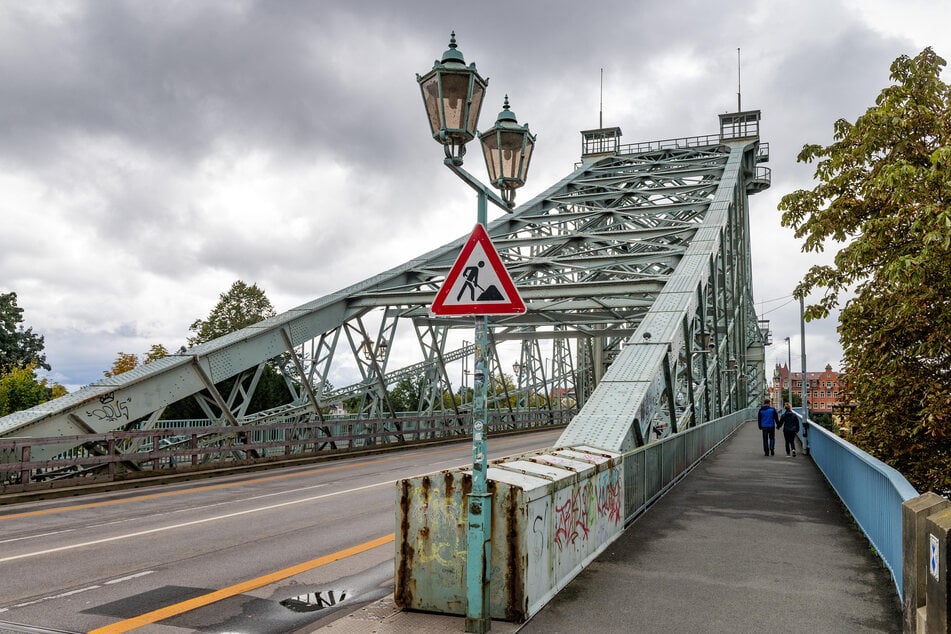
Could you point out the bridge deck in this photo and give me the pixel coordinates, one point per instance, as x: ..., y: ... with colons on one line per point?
x: 745, y: 543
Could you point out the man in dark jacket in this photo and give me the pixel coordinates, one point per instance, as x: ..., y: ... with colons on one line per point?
x: 768, y: 419
x: 789, y: 423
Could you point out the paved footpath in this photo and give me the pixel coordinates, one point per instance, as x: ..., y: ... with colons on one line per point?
x: 745, y: 543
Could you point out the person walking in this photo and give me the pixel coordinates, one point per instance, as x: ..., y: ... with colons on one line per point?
x: 789, y: 423
x: 768, y: 419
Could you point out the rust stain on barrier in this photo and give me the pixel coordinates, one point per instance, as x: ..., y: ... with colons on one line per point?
x: 402, y: 593
x: 449, y: 483
x: 515, y: 566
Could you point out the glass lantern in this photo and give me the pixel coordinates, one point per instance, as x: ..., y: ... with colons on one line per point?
x: 453, y: 95
x: 508, y: 151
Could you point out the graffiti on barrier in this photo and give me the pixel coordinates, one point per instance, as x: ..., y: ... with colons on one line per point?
x: 609, y: 495
x: 573, y: 517
x: 540, y: 533
x: 110, y: 409
x: 442, y: 523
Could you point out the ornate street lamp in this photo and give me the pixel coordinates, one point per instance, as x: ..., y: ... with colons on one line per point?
x: 452, y: 94
x: 508, y: 151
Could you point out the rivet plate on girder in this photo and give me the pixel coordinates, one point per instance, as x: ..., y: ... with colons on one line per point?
x: 639, y: 362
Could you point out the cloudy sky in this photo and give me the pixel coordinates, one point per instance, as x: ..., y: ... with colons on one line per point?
x: 153, y: 152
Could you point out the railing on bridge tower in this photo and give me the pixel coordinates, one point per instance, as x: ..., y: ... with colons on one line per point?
x: 600, y: 142
x: 735, y: 126
x: 635, y: 271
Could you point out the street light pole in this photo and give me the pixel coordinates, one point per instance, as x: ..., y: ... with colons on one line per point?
x: 805, y: 381
x: 453, y: 94
x: 789, y: 368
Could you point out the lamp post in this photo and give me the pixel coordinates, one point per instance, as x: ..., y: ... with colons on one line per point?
x: 789, y: 368
x: 453, y: 94
x: 805, y: 381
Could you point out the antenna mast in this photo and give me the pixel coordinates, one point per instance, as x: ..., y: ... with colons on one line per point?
x: 739, y: 107
x: 601, y: 106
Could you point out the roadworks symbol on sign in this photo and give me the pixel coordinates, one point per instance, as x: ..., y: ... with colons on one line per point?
x: 478, y: 283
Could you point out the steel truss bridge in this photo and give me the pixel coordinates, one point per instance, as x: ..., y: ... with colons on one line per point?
x: 635, y: 270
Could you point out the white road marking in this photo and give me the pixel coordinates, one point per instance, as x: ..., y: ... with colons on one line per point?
x: 17, y: 539
x: 208, y: 506
x: 129, y: 577
x: 161, y: 529
x: 70, y: 593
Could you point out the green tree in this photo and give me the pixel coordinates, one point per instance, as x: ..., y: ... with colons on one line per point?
x: 240, y: 306
x: 156, y: 352
x: 123, y: 363
x: 126, y: 361
x: 57, y: 390
x: 19, y: 347
x: 20, y: 389
x: 405, y: 395
x: 884, y: 194
x: 270, y: 392
x: 824, y: 419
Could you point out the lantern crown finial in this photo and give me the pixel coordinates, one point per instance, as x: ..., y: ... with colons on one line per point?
x: 453, y: 54
x: 507, y: 115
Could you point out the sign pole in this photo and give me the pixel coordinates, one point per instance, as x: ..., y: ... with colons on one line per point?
x: 479, y: 285
x: 478, y: 555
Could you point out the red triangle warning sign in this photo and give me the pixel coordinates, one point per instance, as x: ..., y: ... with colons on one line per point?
x: 478, y: 283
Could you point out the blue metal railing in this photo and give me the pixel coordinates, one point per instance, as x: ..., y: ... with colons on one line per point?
x: 651, y: 470
x: 872, y: 491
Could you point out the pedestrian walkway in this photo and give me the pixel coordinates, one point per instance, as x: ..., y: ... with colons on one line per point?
x: 745, y: 543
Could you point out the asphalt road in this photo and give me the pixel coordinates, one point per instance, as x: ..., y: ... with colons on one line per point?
x: 259, y: 553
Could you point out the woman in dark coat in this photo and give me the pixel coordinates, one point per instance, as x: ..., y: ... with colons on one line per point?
x: 789, y: 423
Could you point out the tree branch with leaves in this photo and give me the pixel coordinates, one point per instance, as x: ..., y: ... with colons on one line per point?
x: 883, y: 200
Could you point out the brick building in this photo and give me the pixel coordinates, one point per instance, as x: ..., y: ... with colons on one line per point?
x: 822, y: 388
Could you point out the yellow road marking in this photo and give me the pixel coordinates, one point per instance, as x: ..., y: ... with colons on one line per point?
x: 239, y: 588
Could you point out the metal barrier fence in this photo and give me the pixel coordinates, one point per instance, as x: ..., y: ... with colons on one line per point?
x: 109, y: 456
x: 651, y: 470
x: 872, y: 491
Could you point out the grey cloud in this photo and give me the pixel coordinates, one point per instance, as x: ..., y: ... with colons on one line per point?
x: 114, y: 106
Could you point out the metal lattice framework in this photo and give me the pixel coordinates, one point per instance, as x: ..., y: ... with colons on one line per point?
x: 636, y: 273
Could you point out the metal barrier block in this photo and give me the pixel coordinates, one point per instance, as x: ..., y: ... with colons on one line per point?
x: 915, y: 555
x: 552, y: 513
x: 938, y: 594
x: 916, y: 552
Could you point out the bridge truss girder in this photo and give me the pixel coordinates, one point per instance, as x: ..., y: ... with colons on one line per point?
x: 655, y: 241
